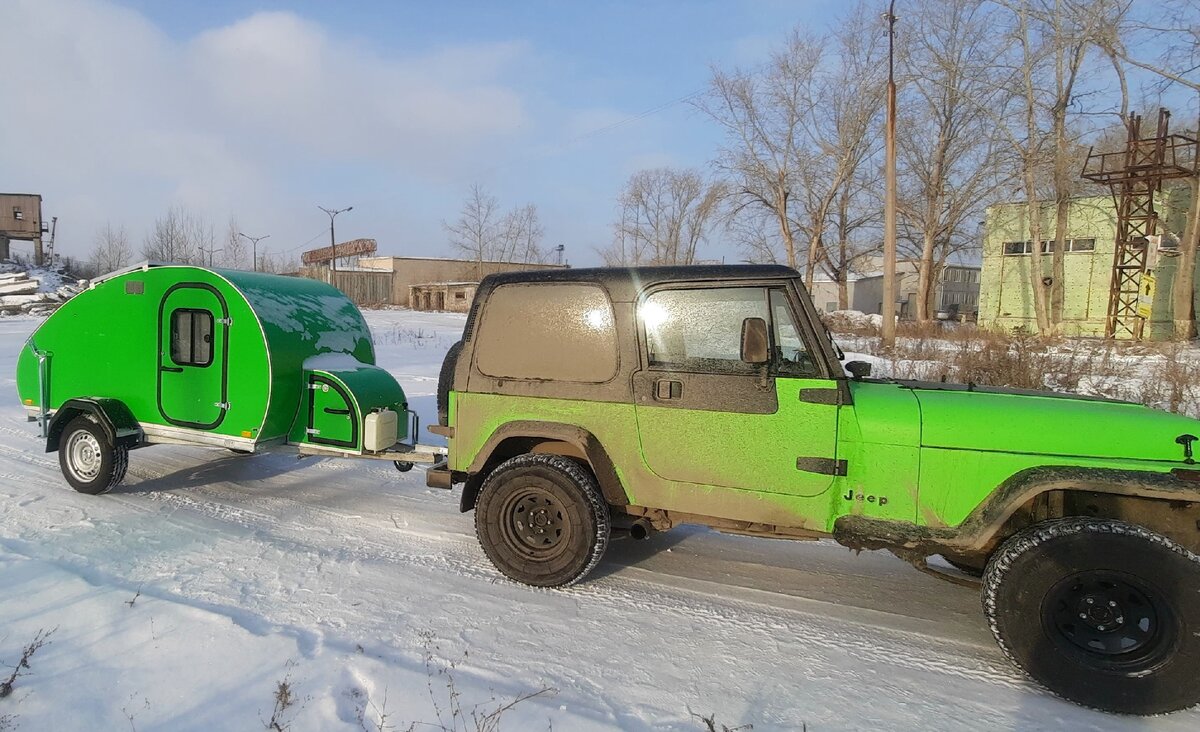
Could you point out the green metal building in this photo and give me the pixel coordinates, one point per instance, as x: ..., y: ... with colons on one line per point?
x: 1006, y: 290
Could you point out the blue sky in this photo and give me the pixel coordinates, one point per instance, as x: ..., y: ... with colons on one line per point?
x: 265, y: 110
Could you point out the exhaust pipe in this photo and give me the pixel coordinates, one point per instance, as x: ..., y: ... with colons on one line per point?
x: 641, y: 529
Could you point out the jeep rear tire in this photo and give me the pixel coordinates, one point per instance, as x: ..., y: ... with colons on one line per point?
x: 89, y: 461
x: 542, y: 520
x: 1100, y: 612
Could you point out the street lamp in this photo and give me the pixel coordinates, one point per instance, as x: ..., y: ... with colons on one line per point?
x: 254, y: 240
x: 333, y: 242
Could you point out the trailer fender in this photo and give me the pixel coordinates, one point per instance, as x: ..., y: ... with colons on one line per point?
x: 111, y: 414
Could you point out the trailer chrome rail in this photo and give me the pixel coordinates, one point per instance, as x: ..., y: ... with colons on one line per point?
x: 43, y: 359
x: 400, y: 452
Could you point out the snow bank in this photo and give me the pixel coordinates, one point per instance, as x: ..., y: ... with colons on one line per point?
x: 851, y: 320
x: 34, y: 290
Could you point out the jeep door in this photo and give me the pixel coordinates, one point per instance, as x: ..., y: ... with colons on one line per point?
x: 707, y: 418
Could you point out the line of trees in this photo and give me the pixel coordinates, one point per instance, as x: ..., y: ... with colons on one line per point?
x: 997, y: 101
x: 182, y: 237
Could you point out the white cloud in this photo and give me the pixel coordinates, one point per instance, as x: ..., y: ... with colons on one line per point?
x: 116, y: 120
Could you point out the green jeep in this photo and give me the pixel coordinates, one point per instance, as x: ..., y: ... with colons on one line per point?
x: 585, y: 403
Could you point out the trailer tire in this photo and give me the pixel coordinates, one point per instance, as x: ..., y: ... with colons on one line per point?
x: 446, y: 381
x: 89, y: 461
x: 1100, y: 612
x: 542, y: 520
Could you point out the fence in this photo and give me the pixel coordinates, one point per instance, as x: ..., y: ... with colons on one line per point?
x: 363, y: 288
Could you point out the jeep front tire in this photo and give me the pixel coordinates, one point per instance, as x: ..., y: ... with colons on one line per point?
x: 1101, y: 612
x: 542, y: 520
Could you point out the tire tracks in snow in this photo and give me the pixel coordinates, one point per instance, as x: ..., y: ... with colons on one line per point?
x: 869, y: 635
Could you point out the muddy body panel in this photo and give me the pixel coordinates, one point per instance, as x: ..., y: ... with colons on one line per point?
x: 645, y: 364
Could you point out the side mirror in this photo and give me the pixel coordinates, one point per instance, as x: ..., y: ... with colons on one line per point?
x: 755, y: 344
x: 859, y: 369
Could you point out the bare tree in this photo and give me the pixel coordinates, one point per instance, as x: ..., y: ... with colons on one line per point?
x: 236, y: 255
x: 1171, y: 28
x: 755, y: 235
x: 180, y: 237
x: 839, y: 141
x: 666, y: 214
x: 760, y: 113
x: 949, y: 157
x: 111, y: 250
x: 519, y: 236
x: 474, y: 234
x: 483, y: 233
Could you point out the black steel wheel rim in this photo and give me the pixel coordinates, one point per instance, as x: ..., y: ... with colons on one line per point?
x: 535, y: 523
x: 1110, y: 621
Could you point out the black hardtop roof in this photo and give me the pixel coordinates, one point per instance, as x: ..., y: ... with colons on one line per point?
x: 625, y: 282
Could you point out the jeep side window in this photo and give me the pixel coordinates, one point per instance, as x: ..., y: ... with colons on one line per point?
x: 701, y: 330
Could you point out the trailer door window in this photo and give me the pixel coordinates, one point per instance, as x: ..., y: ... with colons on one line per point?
x: 191, y: 337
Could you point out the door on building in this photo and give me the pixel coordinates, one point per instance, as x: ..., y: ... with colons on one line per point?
x: 193, y: 326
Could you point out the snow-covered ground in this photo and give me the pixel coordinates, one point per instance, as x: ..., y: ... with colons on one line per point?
x: 181, y: 600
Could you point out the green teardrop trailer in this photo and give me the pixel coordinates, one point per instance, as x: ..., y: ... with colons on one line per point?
x: 187, y: 355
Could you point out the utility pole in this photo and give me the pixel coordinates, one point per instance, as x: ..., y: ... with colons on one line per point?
x: 254, y: 240
x: 333, y: 242
x: 888, y: 332
x: 50, y: 244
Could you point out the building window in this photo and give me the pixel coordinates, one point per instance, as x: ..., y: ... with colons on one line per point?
x: 1083, y: 245
x: 191, y: 337
x: 17, y: 213
x: 1017, y: 247
x: 460, y: 296
x: 1049, y: 246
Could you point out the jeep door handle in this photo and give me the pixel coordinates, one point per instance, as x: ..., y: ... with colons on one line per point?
x: 668, y: 389
x: 172, y: 369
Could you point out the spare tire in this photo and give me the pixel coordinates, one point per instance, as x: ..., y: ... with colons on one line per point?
x: 446, y: 381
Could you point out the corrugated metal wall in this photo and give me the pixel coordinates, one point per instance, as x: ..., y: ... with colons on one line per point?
x: 363, y: 288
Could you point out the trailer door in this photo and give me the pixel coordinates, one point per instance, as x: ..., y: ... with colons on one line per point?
x: 193, y: 326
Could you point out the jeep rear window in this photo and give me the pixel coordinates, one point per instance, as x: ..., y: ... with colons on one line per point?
x: 555, y: 332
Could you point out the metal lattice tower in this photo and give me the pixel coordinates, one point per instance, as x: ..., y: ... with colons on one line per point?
x: 1135, y: 177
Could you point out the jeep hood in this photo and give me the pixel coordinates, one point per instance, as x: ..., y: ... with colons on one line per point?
x: 1047, y: 423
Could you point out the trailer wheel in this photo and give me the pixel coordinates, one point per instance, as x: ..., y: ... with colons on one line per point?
x: 1100, y: 612
x: 402, y: 466
x: 89, y: 462
x: 542, y: 520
